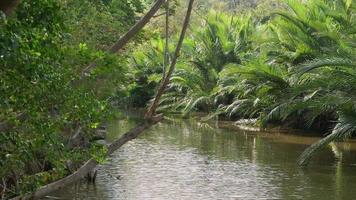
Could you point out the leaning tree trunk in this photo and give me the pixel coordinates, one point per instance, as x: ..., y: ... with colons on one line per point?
x: 166, y: 48
x: 152, y: 109
x: 90, y: 164
x: 129, y: 34
x: 150, y: 119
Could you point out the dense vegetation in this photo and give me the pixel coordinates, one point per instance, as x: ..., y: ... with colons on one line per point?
x: 289, y: 63
x: 292, y: 65
x: 43, y: 47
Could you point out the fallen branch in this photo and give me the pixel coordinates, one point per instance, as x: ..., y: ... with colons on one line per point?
x: 90, y: 164
x: 160, y: 14
x: 150, y: 119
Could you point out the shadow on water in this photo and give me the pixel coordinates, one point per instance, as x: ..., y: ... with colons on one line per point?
x: 188, y: 160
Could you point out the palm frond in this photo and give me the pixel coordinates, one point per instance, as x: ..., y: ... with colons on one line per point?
x: 329, y: 62
x: 345, y: 127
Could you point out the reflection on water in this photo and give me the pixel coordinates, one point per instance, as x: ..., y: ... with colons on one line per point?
x: 185, y: 160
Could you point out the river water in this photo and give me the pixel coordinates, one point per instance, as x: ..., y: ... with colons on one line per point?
x: 190, y: 160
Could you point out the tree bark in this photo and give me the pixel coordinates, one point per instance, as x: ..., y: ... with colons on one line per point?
x: 152, y: 109
x: 8, y: 6
x: 166, y: 47
x: 129, y: 34
x: 90, y: 164
x: 150, y: 120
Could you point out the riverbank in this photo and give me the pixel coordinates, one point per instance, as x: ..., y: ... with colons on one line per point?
x: 185, y: 159
x: 243, y: 124
x: 277, y: 133
x: 287, y: 136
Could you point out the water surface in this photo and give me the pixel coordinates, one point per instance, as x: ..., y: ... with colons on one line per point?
x: 189, y: 160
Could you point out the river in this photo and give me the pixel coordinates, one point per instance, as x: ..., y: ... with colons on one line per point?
x: 189, y: 160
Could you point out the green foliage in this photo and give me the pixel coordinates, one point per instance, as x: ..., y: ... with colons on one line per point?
x: 43, y: 47
x: 222, y: 40
x: 146, y: 69
x: 99, y: 153
x: 96, y: 20
x: 293, y: 65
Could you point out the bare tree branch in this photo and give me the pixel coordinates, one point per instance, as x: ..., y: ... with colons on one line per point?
x: 152, y: 109
x: 129, y: 34
x: 132, y: 134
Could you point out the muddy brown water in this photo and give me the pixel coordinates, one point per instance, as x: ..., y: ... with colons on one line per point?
x: 189, y: 160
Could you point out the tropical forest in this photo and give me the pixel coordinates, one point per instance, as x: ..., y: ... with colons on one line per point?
x: 178, y: 99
